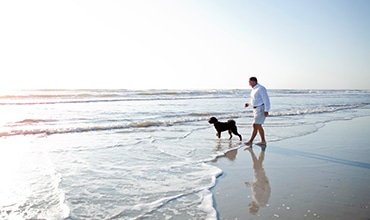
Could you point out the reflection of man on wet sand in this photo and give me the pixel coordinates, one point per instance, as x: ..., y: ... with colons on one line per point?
x: 261, y: 185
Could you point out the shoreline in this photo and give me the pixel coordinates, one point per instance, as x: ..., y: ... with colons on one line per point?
x: 323, y: 175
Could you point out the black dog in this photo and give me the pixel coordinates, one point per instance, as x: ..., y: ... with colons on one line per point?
x: 230, y: 126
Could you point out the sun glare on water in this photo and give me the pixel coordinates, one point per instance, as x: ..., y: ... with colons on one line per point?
x: 12, y: 189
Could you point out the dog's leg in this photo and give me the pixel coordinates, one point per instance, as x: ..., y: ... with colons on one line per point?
x: 218, y: 134
x: 230, y: 134
x: 235, y: 131
x: 240, y: 137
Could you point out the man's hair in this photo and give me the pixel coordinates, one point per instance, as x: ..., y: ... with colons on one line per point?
x: 254, y: 79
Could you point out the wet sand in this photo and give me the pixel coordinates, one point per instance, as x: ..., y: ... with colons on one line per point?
x: 324, y: 175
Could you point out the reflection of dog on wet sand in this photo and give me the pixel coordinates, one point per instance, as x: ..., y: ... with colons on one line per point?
x: 260, y: 186
x: 229, y: 126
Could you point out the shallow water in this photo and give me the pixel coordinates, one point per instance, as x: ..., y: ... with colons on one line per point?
x: 118, y: 154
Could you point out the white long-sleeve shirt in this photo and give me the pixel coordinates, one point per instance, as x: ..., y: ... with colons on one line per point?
x: 260, y: 97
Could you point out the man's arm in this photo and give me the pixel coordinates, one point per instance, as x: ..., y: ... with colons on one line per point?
x: 266, y: 101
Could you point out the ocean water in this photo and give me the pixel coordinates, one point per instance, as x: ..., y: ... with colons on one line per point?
x: 123, y: 154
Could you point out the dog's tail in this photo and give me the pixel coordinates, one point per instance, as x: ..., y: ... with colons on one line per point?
x: 231, y: 122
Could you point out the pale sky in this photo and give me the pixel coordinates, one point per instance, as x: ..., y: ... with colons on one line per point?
x: 184, y: 44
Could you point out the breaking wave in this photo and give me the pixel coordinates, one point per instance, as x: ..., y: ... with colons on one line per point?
x: 172, y: 121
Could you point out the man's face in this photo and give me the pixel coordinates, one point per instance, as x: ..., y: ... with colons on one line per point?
x: 252, y: 83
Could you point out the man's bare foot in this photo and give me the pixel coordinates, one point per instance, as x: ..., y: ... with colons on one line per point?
x: 261, y: 143
x: 249, y: 143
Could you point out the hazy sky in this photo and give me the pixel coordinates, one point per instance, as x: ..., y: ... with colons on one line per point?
x: 185, y: 44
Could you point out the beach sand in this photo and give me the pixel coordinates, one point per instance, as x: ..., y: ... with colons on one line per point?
x: 324, y: 175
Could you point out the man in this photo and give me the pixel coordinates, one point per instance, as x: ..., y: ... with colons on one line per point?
x: 260, y: 102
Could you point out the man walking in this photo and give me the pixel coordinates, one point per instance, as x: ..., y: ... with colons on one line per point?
x: 260, y: 102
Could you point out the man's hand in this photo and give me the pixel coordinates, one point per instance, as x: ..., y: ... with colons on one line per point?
x: 266, y: 114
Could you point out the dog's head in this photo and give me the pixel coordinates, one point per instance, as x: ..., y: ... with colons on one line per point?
x: 212, y: 120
